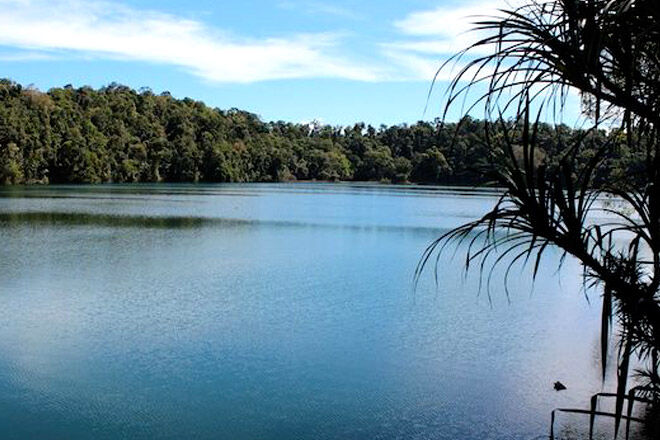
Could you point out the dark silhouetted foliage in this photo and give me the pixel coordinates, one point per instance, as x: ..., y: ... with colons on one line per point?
x: 609, y: 51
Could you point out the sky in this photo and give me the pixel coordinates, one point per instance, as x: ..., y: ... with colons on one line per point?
x: 335, y: 61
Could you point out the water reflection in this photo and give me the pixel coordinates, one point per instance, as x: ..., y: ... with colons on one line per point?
x: 281, y: 311
x: 116, y: 221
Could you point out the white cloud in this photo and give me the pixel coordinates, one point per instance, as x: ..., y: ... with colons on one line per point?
x: 416, y: 67
x: 448, y: 29
x: 442, y: 21
x: 428, y: 38
x: 413, y: 67
x: 105, y: 29
x: 25, y: 56
x: 44, y: 29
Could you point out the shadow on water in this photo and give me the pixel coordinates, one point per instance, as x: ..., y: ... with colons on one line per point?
x: 118, y: 221
x: 178, y: 222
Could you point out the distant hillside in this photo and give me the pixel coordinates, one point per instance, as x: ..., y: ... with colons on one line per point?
x: 116, y: 134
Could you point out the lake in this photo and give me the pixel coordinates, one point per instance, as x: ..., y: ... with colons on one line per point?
x: 275, y: 311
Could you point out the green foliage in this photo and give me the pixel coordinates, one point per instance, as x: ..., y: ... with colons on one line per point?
x: 10, y: 165
x: 430, y: 166
x: 117, y: 134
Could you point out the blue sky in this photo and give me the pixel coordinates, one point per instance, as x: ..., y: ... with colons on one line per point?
x: 336, y: 61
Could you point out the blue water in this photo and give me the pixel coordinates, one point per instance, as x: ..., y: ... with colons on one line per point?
x: 274, y: 312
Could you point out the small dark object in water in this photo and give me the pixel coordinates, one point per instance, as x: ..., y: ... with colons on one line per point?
x: 559, y: 386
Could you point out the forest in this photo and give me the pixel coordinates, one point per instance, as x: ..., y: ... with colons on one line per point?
x: 117, y: 134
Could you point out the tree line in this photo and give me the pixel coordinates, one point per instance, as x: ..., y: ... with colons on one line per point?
x: 117, y: 134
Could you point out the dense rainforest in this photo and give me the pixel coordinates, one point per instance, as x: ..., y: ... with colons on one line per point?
x: 116, y: 134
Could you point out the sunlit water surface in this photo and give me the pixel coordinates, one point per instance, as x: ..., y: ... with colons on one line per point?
x: 274, y: 312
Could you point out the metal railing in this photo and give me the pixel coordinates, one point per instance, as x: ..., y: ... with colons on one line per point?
x: 631, y: 397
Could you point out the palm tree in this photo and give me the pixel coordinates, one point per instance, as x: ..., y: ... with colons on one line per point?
x: 609, y: 52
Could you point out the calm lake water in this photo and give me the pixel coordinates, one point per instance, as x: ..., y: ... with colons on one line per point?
x: 274, y: 312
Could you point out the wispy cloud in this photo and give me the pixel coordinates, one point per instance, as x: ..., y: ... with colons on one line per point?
x: 26, y: 56
x: 448, y: 29
x: 428, y: 38
x: 415, y: 67
x: 99, y: 29
x: 105, y: 29
x: 447, y: 21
